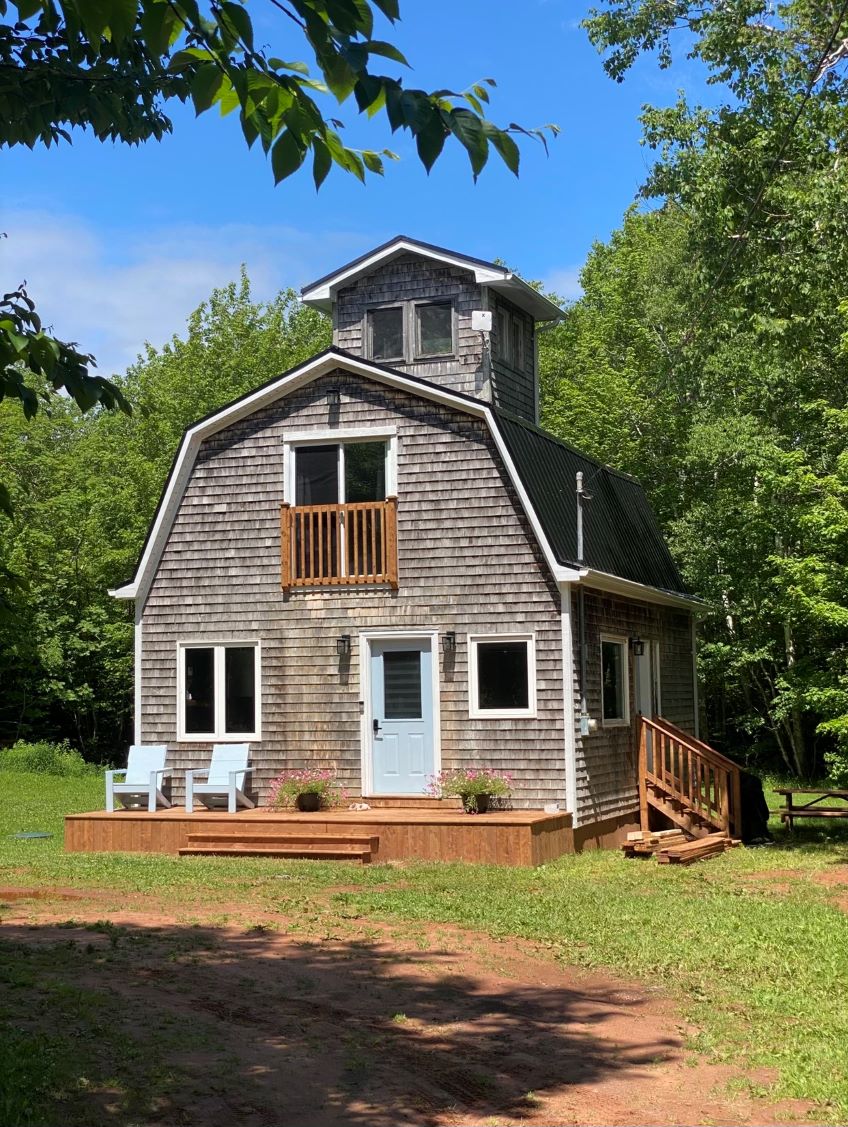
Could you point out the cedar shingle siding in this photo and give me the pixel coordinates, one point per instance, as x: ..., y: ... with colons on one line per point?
x: 467, y: 562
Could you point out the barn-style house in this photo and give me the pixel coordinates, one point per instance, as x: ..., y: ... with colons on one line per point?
x: 379, y: 562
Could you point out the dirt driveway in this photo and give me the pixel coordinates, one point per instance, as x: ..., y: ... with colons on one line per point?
x: 217, y: 1025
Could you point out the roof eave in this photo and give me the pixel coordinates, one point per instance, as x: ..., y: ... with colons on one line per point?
x: 631, y: 589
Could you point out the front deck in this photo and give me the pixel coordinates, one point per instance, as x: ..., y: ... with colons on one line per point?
x: 503, y: 837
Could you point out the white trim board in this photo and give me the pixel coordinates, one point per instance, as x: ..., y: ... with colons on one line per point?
x: 475, y: 712
x: 569, y: 716
x: 321, y: 294
x: 218, y: 647
x: 366, y: 637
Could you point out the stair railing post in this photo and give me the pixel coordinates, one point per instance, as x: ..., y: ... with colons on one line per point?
x: 643, y: 774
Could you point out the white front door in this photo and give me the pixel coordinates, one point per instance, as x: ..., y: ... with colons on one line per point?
x: 647, y: 667
x: 401, y: 739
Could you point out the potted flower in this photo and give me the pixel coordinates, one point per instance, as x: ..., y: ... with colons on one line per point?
x: 307, y: 789
x: 476, y: 787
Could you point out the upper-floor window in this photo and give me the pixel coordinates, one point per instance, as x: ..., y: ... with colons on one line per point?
x: 510, y: 342
x: 414, y: 330
x: 341, y: 473
x: 385, y: 333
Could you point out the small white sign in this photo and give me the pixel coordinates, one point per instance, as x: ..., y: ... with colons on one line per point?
x: 481, y: 320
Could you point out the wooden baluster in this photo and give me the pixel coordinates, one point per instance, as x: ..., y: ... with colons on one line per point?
x: 735, y: 826
x: 301, y: 541
x: 725, y: 803
x: 285, y: 546
x: 356, y: 540
x: 391, y: 541
x: 374, y: 568
x: 321, y: 572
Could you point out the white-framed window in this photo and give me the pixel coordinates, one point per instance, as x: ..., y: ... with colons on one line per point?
x: 502, y: 675
x: 340, y: 466
x: 410, y: 331
x: 615, y: 681
x: 219, y: 690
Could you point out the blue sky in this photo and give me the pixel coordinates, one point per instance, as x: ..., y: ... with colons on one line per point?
x: 119, y: 244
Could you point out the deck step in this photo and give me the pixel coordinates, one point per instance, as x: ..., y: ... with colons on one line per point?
x: 211, y: 837
x: 292, y: 851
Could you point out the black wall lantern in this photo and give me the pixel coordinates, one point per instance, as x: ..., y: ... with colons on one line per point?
x: 343, y: 645
x: 638, y: 646
x: 449, y: 641
x: 334, y: 397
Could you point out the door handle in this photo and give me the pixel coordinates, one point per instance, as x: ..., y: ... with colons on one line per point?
x: 376, y: 726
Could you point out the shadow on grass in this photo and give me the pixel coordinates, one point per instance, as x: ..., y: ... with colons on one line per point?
x: 110, y: 1024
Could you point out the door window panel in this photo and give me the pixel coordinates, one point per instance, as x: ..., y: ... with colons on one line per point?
x: 365, y: 471
x: 317, y: 475
x: 402, y: 684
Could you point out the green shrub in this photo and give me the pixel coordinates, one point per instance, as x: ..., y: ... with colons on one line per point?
x: 44, y: 758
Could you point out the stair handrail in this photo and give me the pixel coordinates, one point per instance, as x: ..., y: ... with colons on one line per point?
x: 726, y: 814
x: 681, y: 734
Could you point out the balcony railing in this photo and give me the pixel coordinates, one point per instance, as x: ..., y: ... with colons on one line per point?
x: 339, y: 544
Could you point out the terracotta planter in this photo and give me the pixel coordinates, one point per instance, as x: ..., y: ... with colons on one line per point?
x: 476, y: 803
x: 309, y: 802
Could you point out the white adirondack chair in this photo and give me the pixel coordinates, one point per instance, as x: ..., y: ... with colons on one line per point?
x: 224, y: 779
x: 143, y: 778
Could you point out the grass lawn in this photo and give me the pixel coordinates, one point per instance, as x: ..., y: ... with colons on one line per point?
x: 753, y: 944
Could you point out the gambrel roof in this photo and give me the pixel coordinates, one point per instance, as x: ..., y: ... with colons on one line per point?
x: 321, y: 293
x: 625, y: 550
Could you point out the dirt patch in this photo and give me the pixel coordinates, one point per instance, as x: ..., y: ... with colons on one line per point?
x: 836, y: 878
x: 778, y: 881
x: 8, y: 895
x: 361, y: 1023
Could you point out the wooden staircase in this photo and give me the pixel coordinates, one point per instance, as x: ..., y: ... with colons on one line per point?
x: 690, y: 783
x: 303, y: 846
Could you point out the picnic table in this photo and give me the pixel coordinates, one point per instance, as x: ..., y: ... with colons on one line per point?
x: 811, y: 808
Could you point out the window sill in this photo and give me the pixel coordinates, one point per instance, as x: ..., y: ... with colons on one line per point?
x: 615, y: 723
x: 502, y: 714
x: 229, y: 738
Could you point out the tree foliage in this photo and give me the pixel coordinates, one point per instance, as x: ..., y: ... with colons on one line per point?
x: 112, y: 67
x: 84, y: 488
x: 712, y: 333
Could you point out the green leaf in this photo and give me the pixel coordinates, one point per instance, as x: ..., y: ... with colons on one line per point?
x: 206, y: 86
x: 281, y: 64
x: 322, y: 162
x: 389, y: 8
x: 27, y: 8
x: 431, y: 140
x: 506, y: 147
x: 387, y: 50
x: 468, y: 130
x: 372, y: 162
x: 286, y: 156
x: 240, y: 21
x: 160, y: 27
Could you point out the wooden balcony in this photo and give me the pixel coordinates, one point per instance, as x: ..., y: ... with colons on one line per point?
x: 337, y: 545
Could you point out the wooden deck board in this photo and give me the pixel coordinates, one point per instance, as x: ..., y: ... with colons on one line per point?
x: 503, y: 837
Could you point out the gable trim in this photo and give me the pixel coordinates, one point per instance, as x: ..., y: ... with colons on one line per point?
x: 321, y: 293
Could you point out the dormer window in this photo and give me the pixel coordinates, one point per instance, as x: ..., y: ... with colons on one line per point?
x: 385, y: 333
x: 415, y: 330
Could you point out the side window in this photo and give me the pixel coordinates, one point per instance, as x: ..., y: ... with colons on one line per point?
x: 503, y: 676
x: 385, y: 333
x: 218, y: 691
x: 434, y: 329
x: 615, y: 703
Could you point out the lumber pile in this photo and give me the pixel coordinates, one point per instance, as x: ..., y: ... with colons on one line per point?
x: 675, y: 847
x: 645, y: 843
